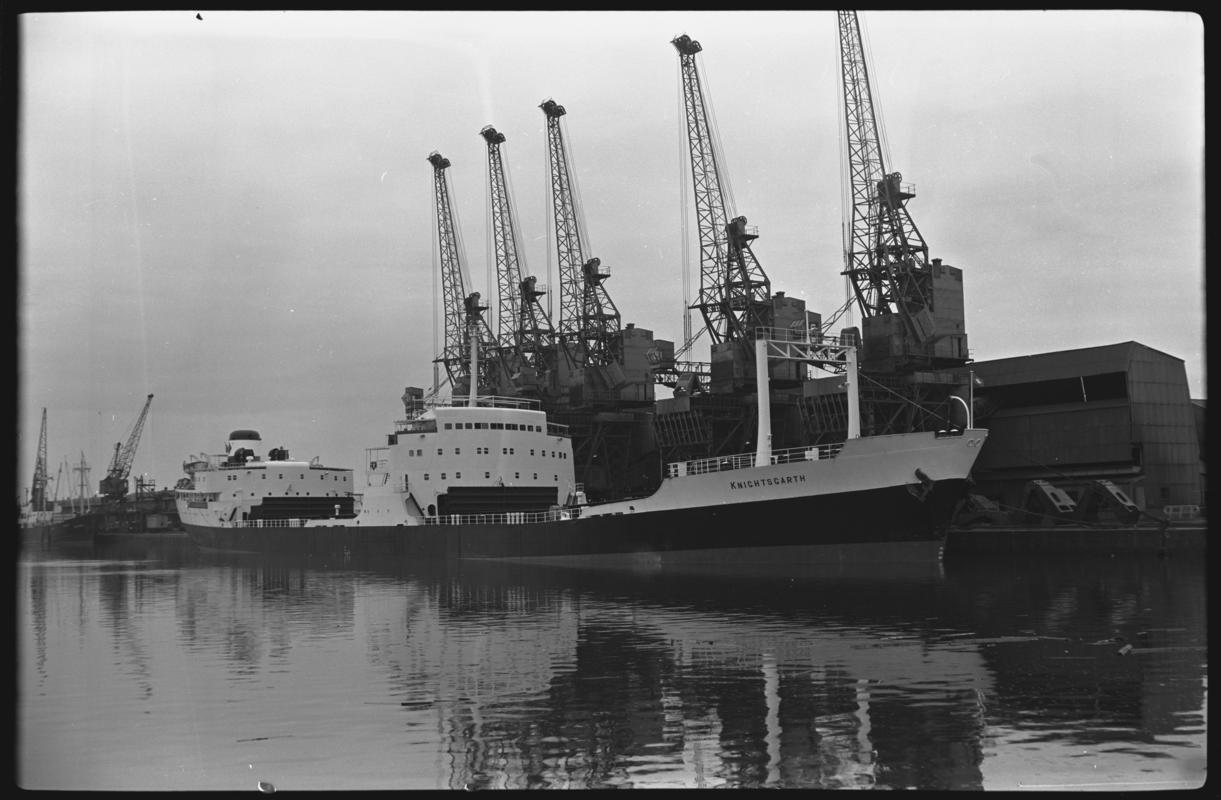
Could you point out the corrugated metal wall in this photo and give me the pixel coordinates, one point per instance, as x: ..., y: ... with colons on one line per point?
x: 1164, y: 424
x: 1146, y: 443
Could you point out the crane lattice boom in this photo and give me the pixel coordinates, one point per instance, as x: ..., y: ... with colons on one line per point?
x: 587, y: 313
x: 888, y: 260
x: 456, y: 355
x: 453, y: 354
x: 523, y: 327
x: 735, y: 294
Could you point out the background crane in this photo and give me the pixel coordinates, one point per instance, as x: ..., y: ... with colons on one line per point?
x: 588, y: 316
x: 38, y: 486
x: 114, y: 485
x: 735, y: 294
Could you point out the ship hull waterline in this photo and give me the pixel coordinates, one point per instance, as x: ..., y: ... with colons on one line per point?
x: 891, y: 524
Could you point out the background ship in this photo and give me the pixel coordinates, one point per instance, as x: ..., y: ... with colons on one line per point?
x: 47, y: 519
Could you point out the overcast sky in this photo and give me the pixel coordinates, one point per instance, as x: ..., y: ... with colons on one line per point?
x: 235, y: 213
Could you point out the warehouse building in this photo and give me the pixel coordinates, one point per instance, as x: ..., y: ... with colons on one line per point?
x: 1120, y: 413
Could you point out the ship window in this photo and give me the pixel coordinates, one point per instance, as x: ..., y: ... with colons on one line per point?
x: 302, y: 476
x: 425, y: 476
x: 555, y: 477
x: 442, y: 476
x: 281, y: 476
x: 487, y: 474
x: 457, y: 451
x: 536, y: 476
x: 510, y: 451
x: 470, y: 425
x: 511, y: 426
x: 498, y: 426
x: 449, y: 426
x: 457, y: 476
x: 531, y: 451
x: 264, y: 476
x: 438, y: 451
x: 482, y: 426
x: 516, y: 475
x: 504, y: 451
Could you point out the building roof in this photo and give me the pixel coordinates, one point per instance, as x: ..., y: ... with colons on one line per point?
x: 1063, y: 363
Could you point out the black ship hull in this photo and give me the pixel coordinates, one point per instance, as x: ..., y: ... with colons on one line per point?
x: 887, y: 524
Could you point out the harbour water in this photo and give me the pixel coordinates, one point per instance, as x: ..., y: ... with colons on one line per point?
x: 144, y: 664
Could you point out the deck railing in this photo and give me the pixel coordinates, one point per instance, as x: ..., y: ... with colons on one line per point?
x: 507, y: 518
x: 265, y: 523
x: 702, y: 466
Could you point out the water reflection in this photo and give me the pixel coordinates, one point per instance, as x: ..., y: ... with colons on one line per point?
x: 979, y: 675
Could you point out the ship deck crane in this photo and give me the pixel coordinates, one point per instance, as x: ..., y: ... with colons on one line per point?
x: 735, y: 293
x: 114, y: 485
x: 588, y: 316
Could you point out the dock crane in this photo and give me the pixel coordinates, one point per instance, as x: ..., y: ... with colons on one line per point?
x: 588, y: 316
x: 38, y: 486
x: 735, y: 293
x: 524, y: 331
x: 455, y: 355
x: 114, y: 485
x: 911, y: 307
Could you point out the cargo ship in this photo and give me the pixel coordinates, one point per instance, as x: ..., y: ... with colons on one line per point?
x: 488, y: 477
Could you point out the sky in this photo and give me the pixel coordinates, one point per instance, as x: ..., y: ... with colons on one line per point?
x: 234, y: 213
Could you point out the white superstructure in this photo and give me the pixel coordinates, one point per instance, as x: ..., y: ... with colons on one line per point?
x: 249, y: 484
